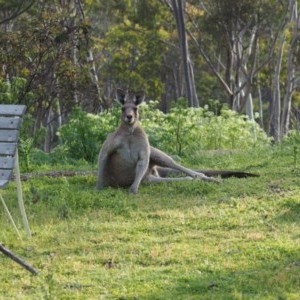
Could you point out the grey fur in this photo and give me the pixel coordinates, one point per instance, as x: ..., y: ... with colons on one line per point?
x: 126, y: 158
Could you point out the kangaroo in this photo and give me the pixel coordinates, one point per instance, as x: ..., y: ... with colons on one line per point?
x: 126, y: 158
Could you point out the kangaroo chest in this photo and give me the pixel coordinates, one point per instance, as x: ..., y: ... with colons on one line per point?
x: 121, y: 165
x: 130, y: 148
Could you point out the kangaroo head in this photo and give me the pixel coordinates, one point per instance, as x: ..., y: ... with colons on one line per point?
x: 130, y: 102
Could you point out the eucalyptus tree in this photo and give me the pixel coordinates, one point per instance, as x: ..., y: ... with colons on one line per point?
x: 178, y: 9
x: 244, y: 44
x: 234, y: 27
x: 292, y: 69
x: 130, y: 45
x: 89, y: 53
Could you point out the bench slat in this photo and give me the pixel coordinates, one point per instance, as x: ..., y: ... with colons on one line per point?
x: 9, y: 135
x: 12, y: 110
x: 10, y: 122
x: 8, y: 148
x: 5, y: 174
x: 3, y: 183
x: 7, y: 162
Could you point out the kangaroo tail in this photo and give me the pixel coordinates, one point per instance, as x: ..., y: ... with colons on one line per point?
x: 165, y: 172
x: 227, y: 174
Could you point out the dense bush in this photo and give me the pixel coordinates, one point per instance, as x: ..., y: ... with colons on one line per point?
x: 84, y: 133
x: 180, y: 132
x: 185, y: 130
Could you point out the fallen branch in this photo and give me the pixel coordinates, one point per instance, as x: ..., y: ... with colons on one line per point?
x: 18, y: 260
x: 27, y: 176
x: 222, y: 174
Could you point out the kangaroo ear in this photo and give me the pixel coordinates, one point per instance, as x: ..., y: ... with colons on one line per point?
x: 139, y: 98
x: 121, y: 96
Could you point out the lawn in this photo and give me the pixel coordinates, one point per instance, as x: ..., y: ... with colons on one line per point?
x: 187, y: 240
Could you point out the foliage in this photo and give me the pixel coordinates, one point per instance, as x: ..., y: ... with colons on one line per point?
x: 179, y: 132
x: 133, y: 48
x: 44, y: 63
x: 292, y: 142
x: 10, y: 90
x: 84, y: 133
x: 186, y: 240
x: 184, y: 129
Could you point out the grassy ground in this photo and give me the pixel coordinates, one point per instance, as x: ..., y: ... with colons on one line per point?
x: 187, y: 240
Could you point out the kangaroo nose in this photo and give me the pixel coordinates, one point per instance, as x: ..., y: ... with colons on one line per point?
x: 129, y: 117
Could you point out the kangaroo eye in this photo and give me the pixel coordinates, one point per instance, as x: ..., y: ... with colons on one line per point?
x: 135, y: 109
x: 123, y: 109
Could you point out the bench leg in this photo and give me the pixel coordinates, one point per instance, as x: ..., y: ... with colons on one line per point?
x: 20, y: 196
x: 10, y: 217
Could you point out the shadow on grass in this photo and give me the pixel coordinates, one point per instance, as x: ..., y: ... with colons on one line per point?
x: 269, y: 280
x: 290, y: 212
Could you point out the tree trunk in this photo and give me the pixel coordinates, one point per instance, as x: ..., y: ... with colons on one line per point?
x: 260, y: 108
x: 89, y: 56
x: 287, y: 100
x: 274, y: 127
x: 191, y: 94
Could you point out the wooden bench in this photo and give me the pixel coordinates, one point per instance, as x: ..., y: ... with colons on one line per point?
x: 10, y: 122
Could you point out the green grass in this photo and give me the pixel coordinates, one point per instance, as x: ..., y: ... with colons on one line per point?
x: 186, y: 240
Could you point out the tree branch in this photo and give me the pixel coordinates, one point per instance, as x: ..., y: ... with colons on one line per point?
x: 18, y: 12
x: 18, y: 260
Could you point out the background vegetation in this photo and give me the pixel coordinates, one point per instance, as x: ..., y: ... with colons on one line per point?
x: 222, y: 87
x: 180, y: 132
x: 63, y: 54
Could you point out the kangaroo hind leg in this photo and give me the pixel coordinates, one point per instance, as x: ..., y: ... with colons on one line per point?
x: 161, y: 159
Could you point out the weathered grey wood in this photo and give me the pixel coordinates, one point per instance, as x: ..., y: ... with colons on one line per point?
x: 7, y: 162
x: 9, y: 135
x: 12, y: 110
x: 10, y: 122
x: 8, y: 148
x: 3, y: 183
x: 5, y: 176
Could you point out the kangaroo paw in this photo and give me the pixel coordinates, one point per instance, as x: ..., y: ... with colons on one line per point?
x: 206, y: 178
